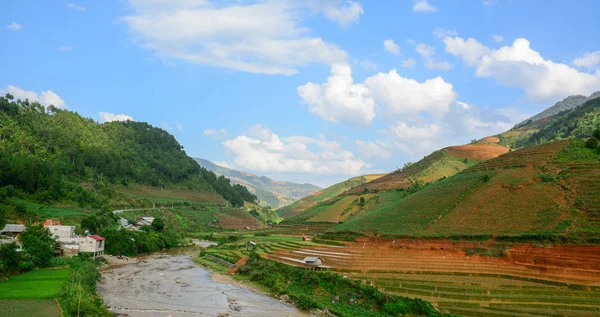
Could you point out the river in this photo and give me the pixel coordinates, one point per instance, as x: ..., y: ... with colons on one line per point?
x: 173, y: 285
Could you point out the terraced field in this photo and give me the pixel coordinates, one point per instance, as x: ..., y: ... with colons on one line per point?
x: 535, y: 155
x: 586, y: 189
x: 525, y: 281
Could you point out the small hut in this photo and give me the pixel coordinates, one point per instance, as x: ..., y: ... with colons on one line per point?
x: 313, y: 262
x: 250, y: 245
x: 12, y: 230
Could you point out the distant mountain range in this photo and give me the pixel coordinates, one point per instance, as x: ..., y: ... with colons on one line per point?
x: 565, y: 104
x: 270, y: 192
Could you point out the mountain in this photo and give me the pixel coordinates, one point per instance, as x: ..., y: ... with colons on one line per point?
x: 51, y: 155
x: 547, y: 190
x: 324, y: 195
x: 274, y: 193
x: 565, y: 104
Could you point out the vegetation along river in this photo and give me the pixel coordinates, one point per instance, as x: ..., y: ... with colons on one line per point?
x: 173, y: 285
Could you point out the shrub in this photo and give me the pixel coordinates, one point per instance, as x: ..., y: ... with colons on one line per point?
x: 596, y: 134
x: 592, y: 143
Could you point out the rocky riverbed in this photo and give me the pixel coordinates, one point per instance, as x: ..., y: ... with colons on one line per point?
x: 172, y: 285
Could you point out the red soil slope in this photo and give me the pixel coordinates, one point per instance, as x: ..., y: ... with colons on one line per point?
x: 481, y: 152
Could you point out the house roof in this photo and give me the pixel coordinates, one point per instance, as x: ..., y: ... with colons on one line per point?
x: 13, y: 228
x: 95, y: 237
x: 51, y: 222
x: 310, y: 259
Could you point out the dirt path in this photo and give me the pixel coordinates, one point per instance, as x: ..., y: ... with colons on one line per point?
x: 172, y: 285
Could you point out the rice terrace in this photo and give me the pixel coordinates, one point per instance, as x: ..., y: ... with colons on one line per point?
x: 329, y: 158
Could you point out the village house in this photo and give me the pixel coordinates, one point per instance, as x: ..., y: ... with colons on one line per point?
x: 12, y: 230
x: 144, y: 221
x: 71, y: 244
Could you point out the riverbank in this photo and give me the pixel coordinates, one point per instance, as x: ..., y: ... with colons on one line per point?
x: 173, y: 285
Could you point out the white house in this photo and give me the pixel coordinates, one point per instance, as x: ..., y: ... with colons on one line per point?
x: 144, y: 221
x: 62, y: 232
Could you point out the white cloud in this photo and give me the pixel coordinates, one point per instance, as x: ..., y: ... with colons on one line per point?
x: 267, y: 152
x: 431, y: 62
x: 345, y: 14
x: 464, y: 105
x: 165, y: 125
x: 65, y: 48
x: 368, y: 65
x: 45, y: 98
x: 339, y: 99
x: 391, y: 47
x: 520, y: 66
x: 405, y: 96
x: 14, y: 26
x: 374, y: 149
x: 217, y: 134
x: 424, y: 7
x: 497, y: 38
x: 406, y: 132
x: 409, y: 63
x: 588, y: 60
x: 470, y: 50
x: 109, y: 117
x: 179, y: 126
x: 441, y: 33
x: 74, y: 6
x: 265, y: 37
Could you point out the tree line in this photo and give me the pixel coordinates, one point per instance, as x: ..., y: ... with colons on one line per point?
x: 47, y: 152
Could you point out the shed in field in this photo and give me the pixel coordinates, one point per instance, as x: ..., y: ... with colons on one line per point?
x: 313, y: 262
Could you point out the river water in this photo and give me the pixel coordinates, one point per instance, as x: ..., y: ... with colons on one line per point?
x: 173, y: 285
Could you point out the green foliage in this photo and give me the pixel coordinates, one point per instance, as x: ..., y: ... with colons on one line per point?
x: 37, y: 284
x: 596, y: 133
x: 99, y: 221
x: 132, y: 243
x: 580, y: 122
x: 48, y: 152
x: 78, y: 296
x: 38, y: 245
x: 325, y: 290
x: 158, y: 224
x: 9, y: 258
x: 592, y: 143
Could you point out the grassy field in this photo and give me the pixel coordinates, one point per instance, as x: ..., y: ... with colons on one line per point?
x: 45, y: 211
x: 29, y: 307
x: 38, y: 284
x: 324, y: 195
x: 160, y: 195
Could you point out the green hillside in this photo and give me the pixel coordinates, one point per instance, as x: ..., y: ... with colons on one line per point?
x: 273, y: 193
x: 324, y: 195
x: 57, y: 157
x: 549, y: 190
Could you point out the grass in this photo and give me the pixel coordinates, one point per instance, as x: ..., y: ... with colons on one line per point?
x: 29, y: 307
x: 38, y: 284
x: 171, y: 194
x: 45, y: 211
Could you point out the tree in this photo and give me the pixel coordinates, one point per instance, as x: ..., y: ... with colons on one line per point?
x: 592, y: 143
x: 158, y: 224
x: 38, y: 245
x: 362, y: 201
x: 596, y: 134
x: 9, y: 257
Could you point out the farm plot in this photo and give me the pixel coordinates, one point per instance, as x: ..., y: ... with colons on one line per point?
x: 526, y: 281
x: 38, y: 284
x: 29, y: 307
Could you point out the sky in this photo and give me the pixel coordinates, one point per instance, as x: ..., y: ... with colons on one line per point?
x: 310, y: 91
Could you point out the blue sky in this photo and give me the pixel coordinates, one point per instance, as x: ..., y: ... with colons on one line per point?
x: 308, y: 91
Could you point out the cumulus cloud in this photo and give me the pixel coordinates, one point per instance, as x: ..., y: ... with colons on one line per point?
x: 588, y: 60
x: 14, y: 26
x: 404, y: 96
x: 518, y: 65
x: 65, y: 48
x: 265, y: 37
x: 368, y: 65
x: 377, y: 149
x: 339, y: 99
x: 431, y: 61
x: 45, y: 98
x: 108, y: 117
x: 265, y: 151
x: 423, y: 6
x: 179, y: 126
x: 391, y: 47
x: 76, y: 7
x: 497, y: 38
x: 441, y: 32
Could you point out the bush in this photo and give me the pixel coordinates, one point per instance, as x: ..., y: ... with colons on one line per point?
x: 592, y: 143
x: 596, y: 134
x: 38, y: 245
x: 78, y: 296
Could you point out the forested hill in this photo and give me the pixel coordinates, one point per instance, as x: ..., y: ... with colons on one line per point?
x: 48, y: 152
